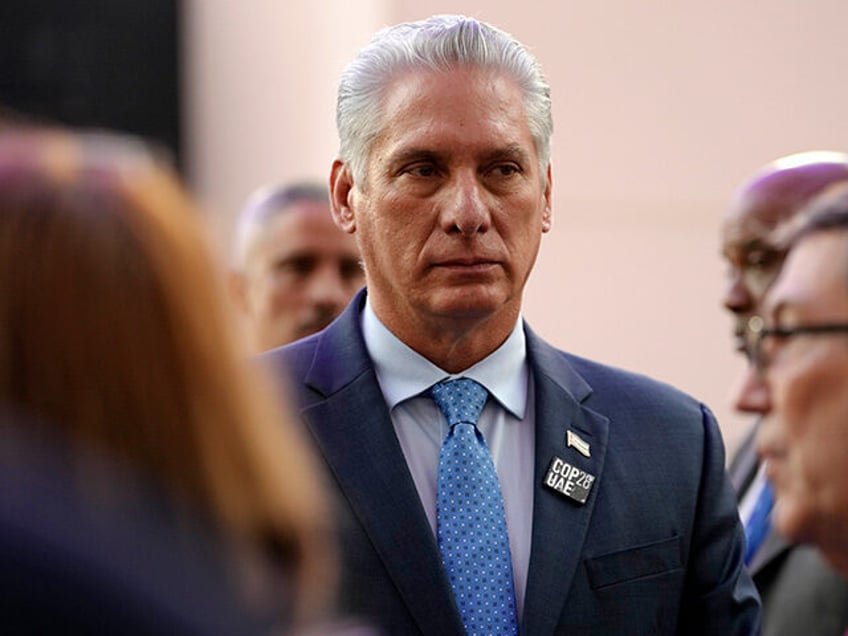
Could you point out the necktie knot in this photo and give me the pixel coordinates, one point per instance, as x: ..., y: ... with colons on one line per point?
x: 461, y: 401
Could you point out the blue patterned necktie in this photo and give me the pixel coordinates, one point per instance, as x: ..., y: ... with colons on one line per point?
x: 471, y: 524
x: 757, y: 526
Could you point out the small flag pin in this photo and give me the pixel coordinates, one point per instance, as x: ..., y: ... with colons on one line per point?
x: 573, y: 440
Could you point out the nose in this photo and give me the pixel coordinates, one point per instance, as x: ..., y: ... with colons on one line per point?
x: 466, y: 210
x: 753, y: 394
x: 737, y: 297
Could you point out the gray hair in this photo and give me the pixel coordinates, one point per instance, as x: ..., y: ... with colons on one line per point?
x: 826, y: 212
x: 265, y: 204
x: 438, y: 43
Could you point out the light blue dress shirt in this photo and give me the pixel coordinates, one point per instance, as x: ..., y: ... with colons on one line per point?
x: 507, y: 424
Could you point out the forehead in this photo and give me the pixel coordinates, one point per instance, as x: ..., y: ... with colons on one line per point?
x: 301, y: 224
x: 814, y: 279
x: 753, y: 215
x: 462, y: 108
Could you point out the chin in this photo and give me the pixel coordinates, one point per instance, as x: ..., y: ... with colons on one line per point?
x: 464, y: 301
x: 795, y: 522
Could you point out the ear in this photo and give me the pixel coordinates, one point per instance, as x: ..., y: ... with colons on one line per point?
x: 547, y: 214
x: 341, y: 193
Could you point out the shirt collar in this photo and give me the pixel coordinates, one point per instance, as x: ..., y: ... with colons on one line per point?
x: 404, y: 373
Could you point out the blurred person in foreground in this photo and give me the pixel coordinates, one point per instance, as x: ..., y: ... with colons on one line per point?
x: 114, y: 338
x: 800, y: 593
x: 798, y: 380
x: 487, y: 482
x: 293, y: 270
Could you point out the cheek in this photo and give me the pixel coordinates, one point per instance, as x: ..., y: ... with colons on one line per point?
x: 523, y: 245
x: 803, y: 388
x: 823, y: 443
x: 284, y: 291
x: 814, y: 404
x: 394, y: 242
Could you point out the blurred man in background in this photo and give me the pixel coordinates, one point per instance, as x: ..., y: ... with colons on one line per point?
x: 800, y: 593
x: 798, y: 380
x: 293, y: 270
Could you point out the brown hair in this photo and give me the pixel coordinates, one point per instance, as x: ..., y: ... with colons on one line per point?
x: 113, y: 326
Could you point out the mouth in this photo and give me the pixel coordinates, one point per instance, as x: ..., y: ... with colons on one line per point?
x: 739, y: 330
x: 466, y: 264
x: 772, y: 456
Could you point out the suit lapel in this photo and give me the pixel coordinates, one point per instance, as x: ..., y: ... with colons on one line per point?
x: 559, y: 524
x: 354, y: 431
x: 743, y: 468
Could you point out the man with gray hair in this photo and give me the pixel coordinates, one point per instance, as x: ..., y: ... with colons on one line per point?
x: 487, y: 482
x: 293, y: 270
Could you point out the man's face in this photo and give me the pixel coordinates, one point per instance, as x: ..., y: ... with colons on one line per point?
x: 299, y: 275
x: 804, y: 434
x: 753, y: 262
x: 451, y: 214
x: 772, y: 198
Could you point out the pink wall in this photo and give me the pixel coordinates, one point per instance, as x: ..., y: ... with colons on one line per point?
x: 660, y: 110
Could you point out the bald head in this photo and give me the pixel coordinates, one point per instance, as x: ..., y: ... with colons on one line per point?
x: 761, y: 205
x: 778, y: 190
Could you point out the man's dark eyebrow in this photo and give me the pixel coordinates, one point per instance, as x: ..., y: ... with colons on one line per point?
x: 759, y: 244
x: 407, y: 155
x: 512, y: 151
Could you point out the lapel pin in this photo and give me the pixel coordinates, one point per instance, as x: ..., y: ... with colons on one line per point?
x: 569, y: 480
x: 573, y: 440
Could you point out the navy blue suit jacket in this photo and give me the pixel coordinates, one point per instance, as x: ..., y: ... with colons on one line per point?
x: 656, y: 549
x: 103, y: 550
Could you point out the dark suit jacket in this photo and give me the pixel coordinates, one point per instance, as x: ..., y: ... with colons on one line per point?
x: 801, y: 594
x: 108, y: 559
x: 656, y: 549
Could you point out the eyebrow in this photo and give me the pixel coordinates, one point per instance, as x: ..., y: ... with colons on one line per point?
x: 511, y: 151
x: 759, y: 243
x: 413, y: 154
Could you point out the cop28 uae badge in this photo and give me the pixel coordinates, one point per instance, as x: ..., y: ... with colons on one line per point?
x: 569, y: 480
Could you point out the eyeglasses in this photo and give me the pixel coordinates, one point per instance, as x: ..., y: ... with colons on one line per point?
x: 756, y: 333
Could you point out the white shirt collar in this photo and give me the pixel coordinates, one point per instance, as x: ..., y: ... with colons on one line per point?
x: 404, y: 373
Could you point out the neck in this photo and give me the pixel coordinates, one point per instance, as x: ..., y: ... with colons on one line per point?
x: 453, y: 344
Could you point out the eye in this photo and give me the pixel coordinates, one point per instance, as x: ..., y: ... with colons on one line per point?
x: 772, y: 344
x: 421, y: 170
x: 763, y: 259
x: 506, y: 169
x: 297, y: 266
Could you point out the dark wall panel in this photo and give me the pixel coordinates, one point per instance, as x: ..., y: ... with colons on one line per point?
x: 104, y: 63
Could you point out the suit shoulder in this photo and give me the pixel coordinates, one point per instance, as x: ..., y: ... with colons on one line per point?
x: 631, y: 390
x: 291, y: 360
